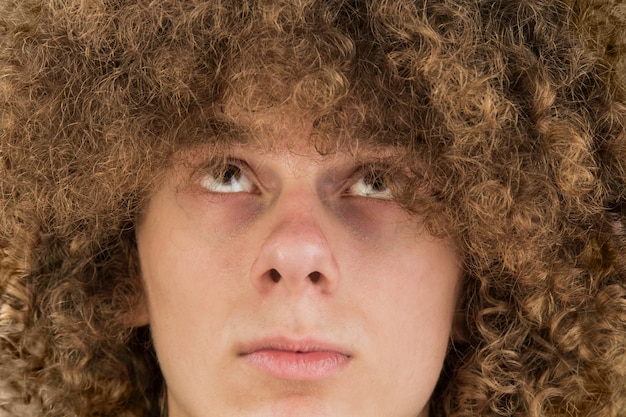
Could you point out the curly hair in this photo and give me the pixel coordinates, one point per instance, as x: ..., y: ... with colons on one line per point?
x: 519, y: 139
x: 602, y: 24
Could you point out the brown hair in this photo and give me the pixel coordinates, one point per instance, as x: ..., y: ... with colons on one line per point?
x: 522, y: 145
x: 602, y: 26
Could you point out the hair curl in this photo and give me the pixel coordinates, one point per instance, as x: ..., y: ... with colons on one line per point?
x: 522, y: 144
x: 602, y: 24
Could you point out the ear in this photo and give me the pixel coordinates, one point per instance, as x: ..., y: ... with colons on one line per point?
x: 139, y: 314
x: 459, y: 333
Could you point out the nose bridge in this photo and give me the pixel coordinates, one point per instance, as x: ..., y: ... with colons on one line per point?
x: 296, y: 252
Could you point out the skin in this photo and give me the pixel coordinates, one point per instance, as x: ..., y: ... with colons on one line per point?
x: 298, y: 250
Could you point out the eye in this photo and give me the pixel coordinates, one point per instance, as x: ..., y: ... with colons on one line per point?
x: 372, y: 184
x: 227, y: 178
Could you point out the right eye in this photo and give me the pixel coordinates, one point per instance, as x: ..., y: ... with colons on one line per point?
x: 227, y: 178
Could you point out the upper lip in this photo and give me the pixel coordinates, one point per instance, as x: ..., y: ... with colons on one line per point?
x: 287, y: 344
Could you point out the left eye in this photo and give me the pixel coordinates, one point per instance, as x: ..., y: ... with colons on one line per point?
x: 227, y: 178
x: 372, y: 184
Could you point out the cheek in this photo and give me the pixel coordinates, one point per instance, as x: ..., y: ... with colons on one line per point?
x: 413, y: 293
x: 192, y: 299
x: 412, y: 304
x: 187, y: 257
x: 198, y: 234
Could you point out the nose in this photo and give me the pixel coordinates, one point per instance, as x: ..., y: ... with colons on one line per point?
x: 296, y: 253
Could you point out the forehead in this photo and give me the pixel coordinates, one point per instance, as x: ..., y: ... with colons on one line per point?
x: 280, y: 131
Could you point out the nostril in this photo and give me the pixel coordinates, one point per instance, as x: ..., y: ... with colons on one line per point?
x: 275, y: 275
x: 314, y: 277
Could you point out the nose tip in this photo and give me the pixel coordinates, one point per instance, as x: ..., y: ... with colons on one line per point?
x: 297, y: 255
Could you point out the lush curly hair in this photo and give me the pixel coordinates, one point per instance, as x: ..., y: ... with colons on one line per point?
x: 602, y: 24
x: 499, y: 109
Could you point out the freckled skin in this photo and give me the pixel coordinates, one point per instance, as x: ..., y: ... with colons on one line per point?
x: 225, y: 269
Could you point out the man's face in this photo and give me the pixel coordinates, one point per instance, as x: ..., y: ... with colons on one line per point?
x: 284, y: 283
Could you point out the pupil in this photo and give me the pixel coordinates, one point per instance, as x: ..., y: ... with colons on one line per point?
x: 231, y: 172
x: 376, y: 181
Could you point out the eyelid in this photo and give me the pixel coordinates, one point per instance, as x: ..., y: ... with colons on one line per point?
x: 376, y: 166
x: 228, y: 160
x: 213, y: 164
x: 373, y: 167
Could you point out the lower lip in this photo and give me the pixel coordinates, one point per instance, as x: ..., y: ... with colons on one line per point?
x: 304, y: 366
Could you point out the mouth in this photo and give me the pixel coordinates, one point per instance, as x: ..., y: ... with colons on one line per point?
x: 304, y: 360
